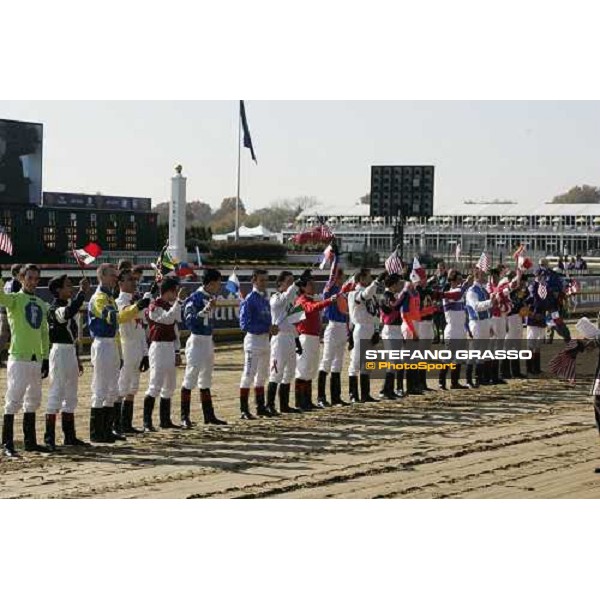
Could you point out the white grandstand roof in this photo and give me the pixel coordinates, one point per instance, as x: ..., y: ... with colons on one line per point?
x: 476, y: 210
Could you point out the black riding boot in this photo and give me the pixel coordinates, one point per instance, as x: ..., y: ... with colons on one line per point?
x: 537, y: 363
x: 97, y: 425
x: 29, y: 434
x: 442, y: 377
x: 308, y: 403
x: 148, y: 410
x: 186, y: 408
x: 365, y: 389
x: 50, y: 433
x: 118, y: 419
x: 271, y: 397
x: 259, y: 398
x: 68, y: 427
x: 515, y: 367
x: 321, y: 384
x: 470, y: 382
x: 479, y: 374
x: 245, y: 410
x: 208, y: 410
x: 127, y: 418
x: 284, y: 399
x: 455, y: 383
x: 109, y: 425
x: 353, y: 389
x: 335, y: 388
x: 8, y: 437
x: 505, y: 369
x: 165, y: 414
x: 400, y: 384
x: 387, y: 391
x: 299, y: 395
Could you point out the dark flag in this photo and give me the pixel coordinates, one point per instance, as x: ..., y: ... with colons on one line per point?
x: 247, y: 138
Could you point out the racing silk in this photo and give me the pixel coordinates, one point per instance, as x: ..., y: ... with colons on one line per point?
x: 104, y: 317
x: 332, y: 312
x: 503, y: 307
x: 363, y: 306
x: 390, y: 308
x: 27, y: 317
x: 196, y: 316
x: 132, y: 331
x: 478, y: 303
x: 281, y: 304
x: 61, y: 320
x: 538, y: 306
x: 255, y: 313
x: 427, y: 308
x: 311, y: 325
x: 162, y: 318
x: 453, y: 300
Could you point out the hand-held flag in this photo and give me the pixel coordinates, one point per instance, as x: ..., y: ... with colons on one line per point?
x: 88, y: 254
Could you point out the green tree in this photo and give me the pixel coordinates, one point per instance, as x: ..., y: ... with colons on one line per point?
x: 585, y: 194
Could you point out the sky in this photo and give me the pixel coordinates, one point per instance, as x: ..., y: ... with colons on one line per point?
x: 526, y: 152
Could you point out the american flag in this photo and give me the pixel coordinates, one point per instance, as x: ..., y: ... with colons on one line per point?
x: 393, y: 263
x: 563, y: 364
x: 483, y: 263
x: 542, y: 291
x: 5, y: 242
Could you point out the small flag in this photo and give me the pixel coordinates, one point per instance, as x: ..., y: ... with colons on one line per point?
x: 198, y: 258
x: 184, y: 269
x: 483, y: 263
x: 88, y: 254
x: 542, y: 291
x: 247, y: 138
x: 328, y: 256
x: 232, y: 285
x: 6, y: 244
x: 457, y: 252
x: 393, y: 263
x: 418, y: 268
x: 165, y: 263
x: 518, y: 252
x: 296, y: 314
x: 563, y: 364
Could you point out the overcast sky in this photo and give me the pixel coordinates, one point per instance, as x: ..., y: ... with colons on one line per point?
x: 522, y: 151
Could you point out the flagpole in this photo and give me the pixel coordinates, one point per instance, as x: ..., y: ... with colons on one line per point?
x: 237, y: 198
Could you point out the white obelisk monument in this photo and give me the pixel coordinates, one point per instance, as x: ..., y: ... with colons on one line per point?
x: 177, y: 247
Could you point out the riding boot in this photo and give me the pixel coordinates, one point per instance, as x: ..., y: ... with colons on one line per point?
x: 148, y: 410
x: 68, y: 427
x: 8, y: 439
x: 387, y: 391
x: 245, y: 409
x: 165, y: 414
x: 400, y: 384
x: 308, y: 403
x: 284, y: 399
x: 29, y: 434
x: 50, y: 432
x: 515, y: 367
x: 455, y: 383
x: 127, y: 418
x: 109, y: 432
x: 335, y: 389
x: 537, y: 362
x: 259, y: 398
x: 97, y: 425
x: 442, y: 377
x: 271, y: 397
x: 117, y: 421
x: 299, y: 394
x: 186, y: 408
x: 353, y: 389
x: 365, y: 389
x: 208, y: 410
x: 505, y: 369
x: 321, y: 383
x: 479, y: 374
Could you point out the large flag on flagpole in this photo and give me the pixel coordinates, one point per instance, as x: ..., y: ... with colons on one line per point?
x: 247, y: 137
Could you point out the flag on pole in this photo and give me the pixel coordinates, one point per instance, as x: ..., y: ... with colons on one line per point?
x: 327, y: 256
x: 6, y: 244
x: 518, y: 252
x: 393, y: 263
x: 88, y: 254
x: 232, y: 285
x: 483, y: 263
x: 563, y: 364
x: 165, y: 263
x: 198, y: 258
x: 418, y: 269
x: 457, y: 252
x: 247, y: 138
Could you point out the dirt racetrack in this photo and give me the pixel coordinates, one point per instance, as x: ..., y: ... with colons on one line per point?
x: 528, y: 439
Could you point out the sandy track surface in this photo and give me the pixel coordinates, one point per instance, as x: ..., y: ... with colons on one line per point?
x: 533, y: 438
